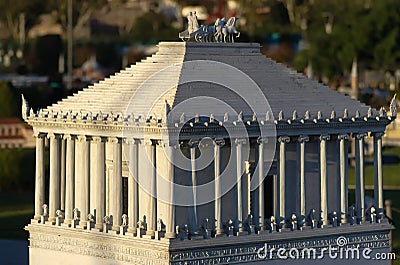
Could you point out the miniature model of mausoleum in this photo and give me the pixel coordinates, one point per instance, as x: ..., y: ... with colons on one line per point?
x: 114, y: 151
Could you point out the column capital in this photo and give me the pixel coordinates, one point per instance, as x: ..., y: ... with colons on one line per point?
x: 97, y: 139
x: 219, y: 141
x: 378, y: 134
x: 193, y: 143
x: 168, y: 143
x: 150, y: 141
x: 82, y: 138
x: 262, y: 140
x: 359, y: 136
x: 284, y: 139
x: 325, y: 137
x: 113, y: 140
x: 303, y: 139
x: 131, y: 141
x: 69, y: 137
x: 240, y: 141
x: 53, y: 136
x: 343, y: 136
x: 38, y: 134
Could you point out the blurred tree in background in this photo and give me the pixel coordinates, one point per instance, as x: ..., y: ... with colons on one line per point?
x: 8, y: 101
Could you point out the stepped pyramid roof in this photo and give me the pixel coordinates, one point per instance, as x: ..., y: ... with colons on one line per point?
x: 204, y: 77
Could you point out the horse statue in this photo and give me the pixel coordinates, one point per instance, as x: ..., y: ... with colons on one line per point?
x: 221, y: 31
x: 225, y: 32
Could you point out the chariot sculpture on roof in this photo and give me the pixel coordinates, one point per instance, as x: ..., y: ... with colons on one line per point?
x: 221, y: 31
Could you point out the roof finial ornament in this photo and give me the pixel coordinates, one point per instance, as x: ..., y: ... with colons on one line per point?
x: 240, y: 116
x: 369, y: 113
x: 268, y: 116
x: 382, y: 112
x: 319, y: 115
x: 182, y: 118
x: 25, y: 107
x: 294, y: 116
x: 280, y: 115
x: 333, y: 115
x: 212, y: 118
x: 393, y: 106
x: 345, y: 113
x: 167, y: 109
x: 254, y: 118
x: 221, y: 31
x: 307, y: 115
x: 226, y: 117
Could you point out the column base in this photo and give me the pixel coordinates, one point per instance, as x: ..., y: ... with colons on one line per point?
x: 51, y: 221
x: 131, y: 232
x: 98, y: 226
x: 82, y: 225
x: 219, y: 233
x: 35, y: 221
x: 115, y: 228
x: 170, y: 235
x: 242, y: 232
x: 37, y: 217
x: 149, y: 234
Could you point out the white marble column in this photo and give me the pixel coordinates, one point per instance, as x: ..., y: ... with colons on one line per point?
x: 98, y: 176
x: 82, y: 174
x: 62, y: 175
x: 302, y: 172
x: 378, y: 174
x: 343, y: 167
x: 115, y: 191
x: 283, y: 140
x: 323, y: 176
x: 54, y: 186
x: 218, y: 143
x: 241, y: 214
x: 152, y: 218
x: 192, y: 145
x: 39, y: 175
x: 360, y: 188
x: 171, y: 148
x: 261, y: 175
x: 69, y: 178
x: 133, y: 198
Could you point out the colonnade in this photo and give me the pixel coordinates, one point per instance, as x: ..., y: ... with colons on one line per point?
x: 85, y: 163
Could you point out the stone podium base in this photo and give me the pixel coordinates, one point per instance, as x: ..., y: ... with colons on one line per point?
x: 59, y: 245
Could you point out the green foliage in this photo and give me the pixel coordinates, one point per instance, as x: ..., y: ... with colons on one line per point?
x: 8, y: 101
x: 17, y: 169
